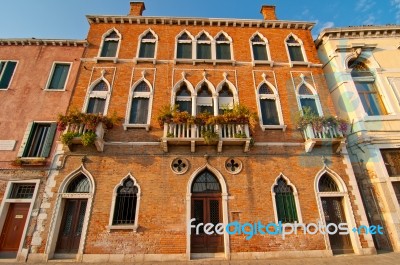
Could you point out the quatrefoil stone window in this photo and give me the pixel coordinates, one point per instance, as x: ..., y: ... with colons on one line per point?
x: 233, y: 165
x: 180, y: 165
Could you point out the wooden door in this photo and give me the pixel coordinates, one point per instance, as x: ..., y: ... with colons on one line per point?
x: 13, y: 228
x: 333, y: 211
x: 69, y: 236
x: 206, y: 209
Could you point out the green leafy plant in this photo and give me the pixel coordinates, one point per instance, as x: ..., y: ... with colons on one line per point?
x: 88, y: 138
x: 209, y: 136
x: 170, y: 135
x: 240, y: 135
x: 75, y: 118
x: 67, y: 137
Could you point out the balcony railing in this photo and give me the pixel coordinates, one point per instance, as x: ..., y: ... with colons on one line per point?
x: 326, y: 135
x: 197, y: 134
x: 81, y: 129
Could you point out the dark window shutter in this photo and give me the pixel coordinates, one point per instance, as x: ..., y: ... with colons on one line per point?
x: 109, y: 48
x: 59, y: 77
x: 269, y: 112
x: 139, y: 111
x: 296, y: 54
x: 96, y: 105
x: 49, y: 140
x: 260, y: 52
x: 223, y: 51
x: 185, y: 106
x: 25, y: 139
x: 203, y: 51
x: 184, y: 50
x: 7, y: 74
x: 147, y: 50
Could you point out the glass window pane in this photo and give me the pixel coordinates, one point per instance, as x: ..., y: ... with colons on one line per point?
x: 184, y: 51
x: 309, y: 102
x: 185, y: 106
x: 139, y: 111
x: 296, y: 54
x: 59, y: 77
x: 203, y: 51
x: 6, y: 74
x: 260, y: 52
x: 269, y: 112
x: 223, y: 51
x: 109, y: 48
x: 147, y: 50
x: 96, y: 105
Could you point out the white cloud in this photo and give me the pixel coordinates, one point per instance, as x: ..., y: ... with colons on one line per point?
x: 396, y: 5
x: 365, y: 5
x: 370, y: 20
x: 328, y: 24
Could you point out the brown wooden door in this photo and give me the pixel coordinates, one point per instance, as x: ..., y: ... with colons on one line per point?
x: 333, y: 211
x: 206, y: 209
x: 71, y: 226
x: 13, y: 228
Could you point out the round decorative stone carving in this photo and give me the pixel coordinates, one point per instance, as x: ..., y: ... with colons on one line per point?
x: 233, y: 165
x: 180, y: 165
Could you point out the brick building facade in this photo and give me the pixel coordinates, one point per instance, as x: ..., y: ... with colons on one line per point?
x: 132, y: 195
x: 37, y: 78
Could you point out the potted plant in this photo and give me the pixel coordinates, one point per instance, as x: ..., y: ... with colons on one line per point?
x: 209, y: 136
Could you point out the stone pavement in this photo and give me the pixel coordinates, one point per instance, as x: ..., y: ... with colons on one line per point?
x: 380, y: 259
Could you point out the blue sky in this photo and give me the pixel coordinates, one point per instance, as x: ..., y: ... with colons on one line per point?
x: 65, y: 19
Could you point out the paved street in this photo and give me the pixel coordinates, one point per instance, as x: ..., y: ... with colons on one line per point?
x: 385, y: 258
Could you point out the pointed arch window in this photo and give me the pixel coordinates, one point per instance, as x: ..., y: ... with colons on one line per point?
x: 125, y: 203
x: 110, y: 44
x: 364, y: 81
x: 295, y: 49
x: 140, y: 104
x: 285, y: 201
x: 147, y: 46
x: 308, y: 99
x: 259, y: 46
x: 80, y: 184
x: 268, y: 105
x: 203, y: 47
x: 98, y: 97
x: 327, y: 184
x: 184, y: 98
x: 223, y: 47
x: 204, y: 99
x: 184, y: 46
x: 225, y: 98
x: 206, y: 182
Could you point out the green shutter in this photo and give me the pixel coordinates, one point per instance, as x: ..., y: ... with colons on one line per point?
x: 7, y: 74
x: 49, y: 140
x: 25, y: 139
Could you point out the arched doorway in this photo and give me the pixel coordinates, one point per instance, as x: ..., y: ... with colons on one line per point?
x: 70, y: 231
x: 206, y: 207
x: 332, y: 203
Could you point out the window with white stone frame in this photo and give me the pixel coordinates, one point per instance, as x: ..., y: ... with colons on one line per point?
x: 223, y: 47
x: 110, y: 44
x: 7, y: 69
x: 98, y: 97
x: 259, y: 48
x: 295, y: 50
x: 147, y: 45
x: 269, y: 106
x: 203, y: 46
x: 184, y: 46
x: 125, y: 205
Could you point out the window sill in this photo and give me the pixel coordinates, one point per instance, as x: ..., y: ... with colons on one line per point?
x: 30, y: 161
x: 300, y: 64
x: 145, y: 60
x: 144, y: 126
x: 106, y: 59
x: 273, y: 127
x: 122, y: 227
x: 54, y: 90
x: 387, y: 117
x: 263, y: 62
x: 206, y: 61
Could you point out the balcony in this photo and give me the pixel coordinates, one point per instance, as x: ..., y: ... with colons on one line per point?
x: 218, y: 134
x: 323, y: 136
x: 76, y: 134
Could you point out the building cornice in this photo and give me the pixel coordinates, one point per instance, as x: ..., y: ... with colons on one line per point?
x: 182, y: 21
x: 43, y: 42
x: 358, y: 32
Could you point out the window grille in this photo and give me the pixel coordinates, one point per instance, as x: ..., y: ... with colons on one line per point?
x: 206, y: 182
x: 327, y: 184
x: 22, y: 191
x: 125, y: 203
x: 79, y: 184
